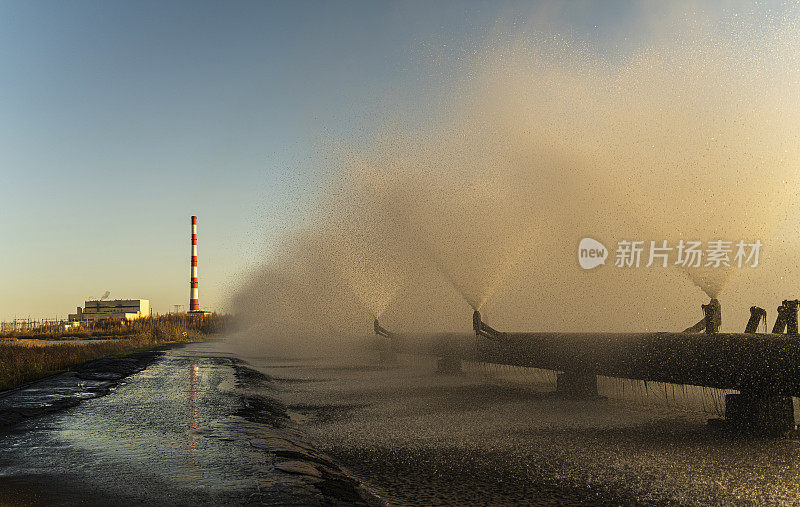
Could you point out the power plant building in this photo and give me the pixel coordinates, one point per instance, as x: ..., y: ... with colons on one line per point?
x: 128, y: 309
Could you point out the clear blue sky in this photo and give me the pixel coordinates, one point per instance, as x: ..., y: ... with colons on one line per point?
x: 119, y: 120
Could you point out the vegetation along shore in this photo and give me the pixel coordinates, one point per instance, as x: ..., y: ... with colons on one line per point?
x: 23, y: 360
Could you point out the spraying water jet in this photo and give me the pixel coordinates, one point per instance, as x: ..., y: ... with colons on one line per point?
x: 511, y: 133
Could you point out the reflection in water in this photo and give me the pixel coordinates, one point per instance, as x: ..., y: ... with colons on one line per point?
x: 191, y: 434
x: 164, y: 436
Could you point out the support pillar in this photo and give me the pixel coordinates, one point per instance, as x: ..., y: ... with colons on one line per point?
x: 761, y: 414
x: 576, y: 385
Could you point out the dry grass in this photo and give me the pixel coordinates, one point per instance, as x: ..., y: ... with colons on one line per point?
x: 23, y: 362
x: 118, y: 328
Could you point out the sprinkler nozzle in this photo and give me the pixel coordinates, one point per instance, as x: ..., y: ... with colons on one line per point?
x: 483, y: 329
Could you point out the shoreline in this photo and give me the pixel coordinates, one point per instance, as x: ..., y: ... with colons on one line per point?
x: 289, y: 444
x: 295, y: 470
x: 69, y: 388
x: 25, y: 363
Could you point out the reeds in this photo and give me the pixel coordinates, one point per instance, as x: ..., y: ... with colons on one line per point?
x: 114, y: 328
x: 24, y: 362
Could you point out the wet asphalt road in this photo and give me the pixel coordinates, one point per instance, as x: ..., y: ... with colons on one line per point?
x: 176, y: 433
x: 170, y: 434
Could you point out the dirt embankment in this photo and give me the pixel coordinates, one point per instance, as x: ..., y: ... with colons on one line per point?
x: 295, y: 455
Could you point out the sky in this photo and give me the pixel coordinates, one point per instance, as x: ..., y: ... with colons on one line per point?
x: 120, y: 120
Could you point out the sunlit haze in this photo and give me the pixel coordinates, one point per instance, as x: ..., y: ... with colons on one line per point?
x: 453, y: 154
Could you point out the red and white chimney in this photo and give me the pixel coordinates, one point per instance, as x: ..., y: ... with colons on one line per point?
x: 194, y: 301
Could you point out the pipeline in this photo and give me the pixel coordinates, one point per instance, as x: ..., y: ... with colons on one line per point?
x: 755, y: 363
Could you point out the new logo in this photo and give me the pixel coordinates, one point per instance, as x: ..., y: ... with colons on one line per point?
x: 591, y: 253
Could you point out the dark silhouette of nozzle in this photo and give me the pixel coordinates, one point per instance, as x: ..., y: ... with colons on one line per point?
x: 757, y: 315
x: 483, y: 329
x: 712, y: 316
x: 380, y: 331
x: 787, y: 317
x: 712, y: 319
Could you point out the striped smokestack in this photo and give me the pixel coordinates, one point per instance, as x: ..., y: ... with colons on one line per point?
x: 194, y: 301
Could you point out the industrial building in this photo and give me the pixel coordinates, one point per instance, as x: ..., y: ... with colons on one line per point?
x: 128, y: 309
